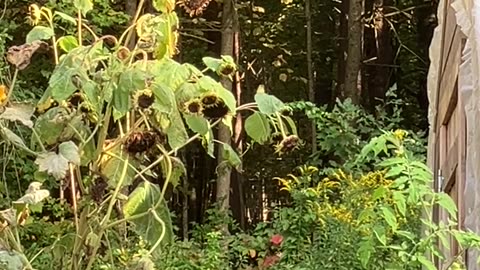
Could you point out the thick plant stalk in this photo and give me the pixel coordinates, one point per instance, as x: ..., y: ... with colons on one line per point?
x: 74, y: 194
x: 113, y: 200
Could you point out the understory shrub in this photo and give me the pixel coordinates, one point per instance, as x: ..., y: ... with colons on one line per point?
x: 381, y: 219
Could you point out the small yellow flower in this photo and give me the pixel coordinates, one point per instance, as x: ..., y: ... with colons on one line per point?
x: 400, y: 134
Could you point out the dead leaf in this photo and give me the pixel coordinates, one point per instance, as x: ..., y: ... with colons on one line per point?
x: 20, y: 56
x: 21, y: 112
x: 54, y: 164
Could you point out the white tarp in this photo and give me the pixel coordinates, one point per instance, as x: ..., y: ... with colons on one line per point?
x: 468, y: 19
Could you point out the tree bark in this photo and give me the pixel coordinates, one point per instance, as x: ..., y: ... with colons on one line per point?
x: 311, y: 90
x: 224, y: 135
x: 384, y: 53
x: 342, y: 49
x: 237, y: 201
x: 130, y: 9
x: 354, y: 56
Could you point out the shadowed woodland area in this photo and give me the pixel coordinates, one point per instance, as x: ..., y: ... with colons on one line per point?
x: 202, y: 134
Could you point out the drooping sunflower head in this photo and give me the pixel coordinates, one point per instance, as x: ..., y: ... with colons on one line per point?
x: 143, y: 99
x: 194, y: 7
x: 75, y: 100
x: 123, y: 53
x: 194, y: 107
x: 288, y: 144
x: 35, y: 14
x: 210, y: 99
x: 216, y: 111
x: 141, y: 141
x: 227, y: 69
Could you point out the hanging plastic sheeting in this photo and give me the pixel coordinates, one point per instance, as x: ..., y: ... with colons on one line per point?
x: 468, y: 18
x: 432, y: 82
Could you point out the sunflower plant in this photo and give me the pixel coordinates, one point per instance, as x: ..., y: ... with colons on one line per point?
x: 114, y: 116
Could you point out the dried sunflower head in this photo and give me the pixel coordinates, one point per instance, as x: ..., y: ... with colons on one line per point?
x: 216, y: 111
x: 210, y: 99
x: 123, y: 53
x: 141, y: 141
x: 227, y: 69
x: 194, y: 106
x: 194, y: 7
x: 288, y: 144
x: 143, y: 99
x: 98, y: 189
x: 76, y: 99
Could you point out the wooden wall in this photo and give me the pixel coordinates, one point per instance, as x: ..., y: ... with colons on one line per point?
x: 450, y: 122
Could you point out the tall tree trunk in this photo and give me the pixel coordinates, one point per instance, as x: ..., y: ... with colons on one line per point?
x: 342, y: 49
x: 224, y: 171
x: 311, y: 91
x: 384, y: 53
x: 354, y: 56
x: 237, y: 200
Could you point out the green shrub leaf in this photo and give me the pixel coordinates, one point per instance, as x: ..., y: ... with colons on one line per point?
x: 140, y: 201
x: 67, y: 43
x: 389, y: 217
x: 426, y: 262
x: 197, y: 124
x: 447, y: 203
x: 268, y: 104
x: 39, y: 33
x: 83, y: 5
x: 258, y: 127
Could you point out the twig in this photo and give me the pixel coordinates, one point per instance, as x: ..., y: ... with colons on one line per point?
x: 74, y: 194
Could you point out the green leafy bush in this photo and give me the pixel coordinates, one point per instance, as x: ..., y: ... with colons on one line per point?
x: 342, y: 131
x: 381, y: 219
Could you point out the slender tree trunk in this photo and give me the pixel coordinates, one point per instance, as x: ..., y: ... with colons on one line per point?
x: 224, y: 171
x: 384, y: 53
x: 238, y: 196
x: 342, y: 49
x: 354, y: 56
x: 130, y: 9
x: 311, y: 90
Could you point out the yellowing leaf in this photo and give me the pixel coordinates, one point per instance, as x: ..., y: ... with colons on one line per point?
x: 3, y: 93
